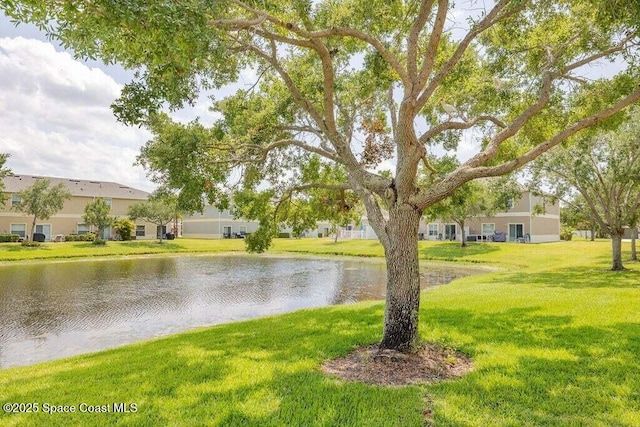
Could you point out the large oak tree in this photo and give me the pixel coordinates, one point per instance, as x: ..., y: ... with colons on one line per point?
x: 355, y: 83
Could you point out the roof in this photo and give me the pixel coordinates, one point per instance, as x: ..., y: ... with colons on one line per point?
x: 77, y: 187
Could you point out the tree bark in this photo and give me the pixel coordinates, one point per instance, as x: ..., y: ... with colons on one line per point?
x: 593, y: 231
x: 33, y: 227
x: 634, y: 233
x: 403, y: 280
x: 463, y: 234
x: 616, y: 245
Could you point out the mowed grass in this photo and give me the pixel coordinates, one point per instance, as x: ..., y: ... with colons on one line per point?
x: 554, y: 335
x: 15, y: 252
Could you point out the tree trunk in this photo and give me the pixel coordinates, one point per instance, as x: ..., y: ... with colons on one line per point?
x: 33, y: 227
x: 593, y: 231
x: 403, y: 280
x: 616, y: 245
x: 463, y: 234
x: 634, y: 233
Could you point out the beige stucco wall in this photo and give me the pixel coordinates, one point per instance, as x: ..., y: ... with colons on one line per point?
x: 66, y: 220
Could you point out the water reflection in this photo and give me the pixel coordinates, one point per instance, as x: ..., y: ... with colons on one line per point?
x: 49, y: 311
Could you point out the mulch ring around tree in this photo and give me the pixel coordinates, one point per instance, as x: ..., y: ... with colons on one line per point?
x: 370, y: 365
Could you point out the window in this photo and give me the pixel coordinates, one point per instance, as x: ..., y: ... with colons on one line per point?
x: 433, y: 229
x: 140, y: 231
x: 488, y: 229
x: 15, y: 200
x: 83, y: 229
x: 109, y: 202
x: 512, y: 203
x: 19, y: 229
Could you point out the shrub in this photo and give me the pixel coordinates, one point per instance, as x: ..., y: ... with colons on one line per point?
x: 29, y: 244
x: 284, y: 235
x: 566, y: 232
x: 88, y: 237
x: 125, y: 228
x: 99, y: 242
x: 4, y: 238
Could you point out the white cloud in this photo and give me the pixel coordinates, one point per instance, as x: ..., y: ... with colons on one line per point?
x: 55, y: 117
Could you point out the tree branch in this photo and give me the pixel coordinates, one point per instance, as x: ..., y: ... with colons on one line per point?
x: 487, y: 22
x: 466, y: 172
x: 414, y: 34
x: 392, y: 112
x: 555, y: 140
x: 589, y: 59
x: 433, y: 132
x: 492, y: 148
x: 291, y: 142
x: 375, y: 43
x: 430, y: 55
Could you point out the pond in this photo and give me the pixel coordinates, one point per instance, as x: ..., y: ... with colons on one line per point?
x: 54, y: 310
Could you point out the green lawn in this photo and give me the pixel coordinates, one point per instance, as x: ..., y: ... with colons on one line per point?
x: 10, y: 252
x: 555, y: 339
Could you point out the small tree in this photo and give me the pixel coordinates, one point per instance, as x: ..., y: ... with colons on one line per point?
x: 604, y: 170
x: 96, y: 214
x: 156, y: 211
x: 474, y: 198
x: 3, y: 173
x: 577, y: 215
x: 42, y: 201
x: 125, y: 228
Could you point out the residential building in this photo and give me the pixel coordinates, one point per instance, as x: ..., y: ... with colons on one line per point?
x: 531, y: 219
x: 217, y: 224
x: 69, y: 219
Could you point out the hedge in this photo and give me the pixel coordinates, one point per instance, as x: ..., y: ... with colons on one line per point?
x: 4, y: 238
x: 88, y: 237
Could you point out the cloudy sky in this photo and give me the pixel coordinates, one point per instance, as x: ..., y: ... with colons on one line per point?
x: 55, y: 118
x: 55, y: 115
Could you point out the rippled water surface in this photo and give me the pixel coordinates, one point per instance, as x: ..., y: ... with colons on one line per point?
x: 54, y: 310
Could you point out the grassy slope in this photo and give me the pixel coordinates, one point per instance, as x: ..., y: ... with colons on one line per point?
x: 554, y: 336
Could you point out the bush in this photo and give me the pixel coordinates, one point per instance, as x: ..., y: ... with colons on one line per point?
x: 99, y: 242
x: 125, y: 228
x: 88, y: 237
x: 284, y: 235
x: 29, y: 244
x: 12, y: 238
x: 566, y: 232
